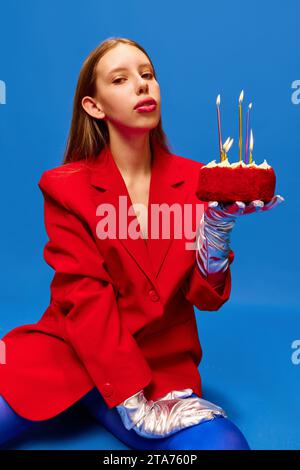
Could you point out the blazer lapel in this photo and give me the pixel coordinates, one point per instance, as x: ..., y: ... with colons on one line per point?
x: 166, y: 187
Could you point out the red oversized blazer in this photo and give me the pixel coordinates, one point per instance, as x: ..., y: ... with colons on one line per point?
x: 121, y: 315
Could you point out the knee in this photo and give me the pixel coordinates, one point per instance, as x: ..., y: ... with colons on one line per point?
x: 11, y: 423
x: 223, y: 434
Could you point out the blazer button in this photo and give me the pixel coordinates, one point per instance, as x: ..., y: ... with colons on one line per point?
x: 153, y: 295
x: 107, y: 389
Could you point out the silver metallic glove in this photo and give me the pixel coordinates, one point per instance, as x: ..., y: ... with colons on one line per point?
x: 133, y: 409
x: 171, y: 413
x: 215, y: 229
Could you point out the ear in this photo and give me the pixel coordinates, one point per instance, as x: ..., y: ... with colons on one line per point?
x: 92, y: 107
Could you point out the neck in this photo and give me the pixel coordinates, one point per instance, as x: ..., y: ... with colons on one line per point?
x: 132, y: 156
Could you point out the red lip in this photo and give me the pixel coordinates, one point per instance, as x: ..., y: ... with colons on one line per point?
x: 144, y: 102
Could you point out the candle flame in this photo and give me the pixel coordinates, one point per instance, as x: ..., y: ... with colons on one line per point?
x: 241, y: 96
x: 229, y: 145
x: 250, y: 105
x: 251, y: 141
x: 218, y: 100
x: 225, y: 143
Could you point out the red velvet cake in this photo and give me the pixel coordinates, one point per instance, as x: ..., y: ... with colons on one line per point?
x: 229, y: 182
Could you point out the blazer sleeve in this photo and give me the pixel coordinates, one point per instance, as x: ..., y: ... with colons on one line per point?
x: 82, y: 287
x: 208, y: 293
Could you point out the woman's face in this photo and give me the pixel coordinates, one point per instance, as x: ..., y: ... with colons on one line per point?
x: 118, y: 91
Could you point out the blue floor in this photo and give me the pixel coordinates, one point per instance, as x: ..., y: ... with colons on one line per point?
x: 246, y: 369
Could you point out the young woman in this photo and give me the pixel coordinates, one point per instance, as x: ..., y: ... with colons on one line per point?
x: 120, y: 332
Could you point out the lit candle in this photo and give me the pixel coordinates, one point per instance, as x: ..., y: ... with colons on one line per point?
x: 240, y: 123
x: 227, y: 145
x: 251, y: 146
x: 219, y: 128
x: 247, y: 133
x: 225, y: 149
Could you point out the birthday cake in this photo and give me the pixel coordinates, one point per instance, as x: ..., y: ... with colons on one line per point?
x: 229, y: 182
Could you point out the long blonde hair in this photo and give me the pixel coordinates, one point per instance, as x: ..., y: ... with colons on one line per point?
x: 88, y: 136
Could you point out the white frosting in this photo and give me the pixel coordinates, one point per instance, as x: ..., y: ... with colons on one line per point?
x: 226, y: 164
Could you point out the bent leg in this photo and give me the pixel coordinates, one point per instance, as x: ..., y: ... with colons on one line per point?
x: 11, y: 424
x: 217, y: 434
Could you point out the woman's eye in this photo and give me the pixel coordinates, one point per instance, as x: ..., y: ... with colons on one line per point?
x: 117, y: 80
x: 147, y: 73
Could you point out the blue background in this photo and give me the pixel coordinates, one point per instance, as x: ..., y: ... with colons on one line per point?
x: 199, y: 50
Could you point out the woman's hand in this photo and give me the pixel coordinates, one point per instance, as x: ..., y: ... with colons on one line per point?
x: 209, y: 409
x: 215, y: 228
x: 240, y: 208
x: 171, y: 413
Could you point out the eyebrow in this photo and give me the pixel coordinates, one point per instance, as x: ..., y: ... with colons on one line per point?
x: 125, y: 68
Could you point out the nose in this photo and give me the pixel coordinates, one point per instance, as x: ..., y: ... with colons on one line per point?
x: 143, y: 85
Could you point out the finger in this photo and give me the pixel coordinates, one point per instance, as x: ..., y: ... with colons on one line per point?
x: 209, y: 404
x: 275, y: 201
x: 187, y: 392
x: 198, y: 416
x: 193, y: 406
x: 191, y: 420
x: 202, y: 404
x: 254, y: 206
x: 235, y: 208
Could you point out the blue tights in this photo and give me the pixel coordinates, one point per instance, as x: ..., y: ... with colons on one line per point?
x: 217, y: 434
